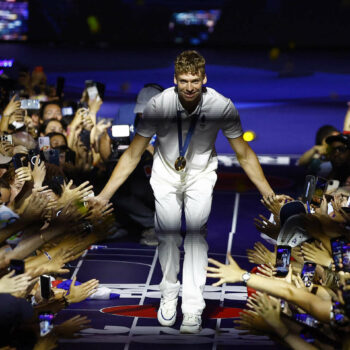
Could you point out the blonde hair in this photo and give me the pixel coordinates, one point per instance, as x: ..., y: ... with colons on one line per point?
x: 190, y: 61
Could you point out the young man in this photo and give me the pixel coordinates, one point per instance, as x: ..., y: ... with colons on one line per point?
x: 186, y: 120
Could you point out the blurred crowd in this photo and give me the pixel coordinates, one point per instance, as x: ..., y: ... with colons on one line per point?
x: 55, y: 154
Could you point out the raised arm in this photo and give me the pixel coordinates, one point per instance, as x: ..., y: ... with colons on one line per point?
x: 250, y: 164
x: 126, y: 164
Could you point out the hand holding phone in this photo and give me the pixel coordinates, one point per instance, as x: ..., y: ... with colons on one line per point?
x: 45, y: 286
x: 308, y: 273
x: 337, y: 252
x: 282, y: 260
x: 46, y: 322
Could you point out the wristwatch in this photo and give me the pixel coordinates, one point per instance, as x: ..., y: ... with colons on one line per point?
x: 246, y: 277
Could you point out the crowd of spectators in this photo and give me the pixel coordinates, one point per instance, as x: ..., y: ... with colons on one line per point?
x: 299, y: 288
x: 50, y: 168
x: 52, y: 163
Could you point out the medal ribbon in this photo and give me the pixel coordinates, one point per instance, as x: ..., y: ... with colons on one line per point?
x: 183, y: 148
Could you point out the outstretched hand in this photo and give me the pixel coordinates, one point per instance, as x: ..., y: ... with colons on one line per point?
x: 230, y: 273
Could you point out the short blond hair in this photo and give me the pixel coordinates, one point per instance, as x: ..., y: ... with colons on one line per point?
x: 190, y: 61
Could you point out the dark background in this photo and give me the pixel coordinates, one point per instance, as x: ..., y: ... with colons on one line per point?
x: 249, y: 23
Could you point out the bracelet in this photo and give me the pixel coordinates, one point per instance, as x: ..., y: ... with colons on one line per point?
x: 42, y: 237
x: 48, y: 255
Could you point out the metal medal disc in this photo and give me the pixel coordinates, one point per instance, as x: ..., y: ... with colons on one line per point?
x: 180, y: 163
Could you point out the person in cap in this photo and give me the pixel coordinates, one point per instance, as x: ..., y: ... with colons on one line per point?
x: 186, y: 119
x: 339, y: 156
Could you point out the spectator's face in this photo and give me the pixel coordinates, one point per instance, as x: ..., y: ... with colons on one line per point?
x: 5, y: 195
x: 189, y: 86
x: 52, y: 111
x: 340, y: 154
x: 57, y: 141
x: 54, y: 126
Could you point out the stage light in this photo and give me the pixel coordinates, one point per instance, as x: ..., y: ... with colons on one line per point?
x: 94, y: 24
x: 274, y: 53
x: 249, y: 136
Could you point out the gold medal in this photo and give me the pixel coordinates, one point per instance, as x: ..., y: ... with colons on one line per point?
x: 180, y: 163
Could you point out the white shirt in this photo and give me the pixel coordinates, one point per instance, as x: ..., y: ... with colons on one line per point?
x: 159, y: 117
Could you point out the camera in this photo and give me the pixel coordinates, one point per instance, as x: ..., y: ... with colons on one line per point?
x: 120, y: 140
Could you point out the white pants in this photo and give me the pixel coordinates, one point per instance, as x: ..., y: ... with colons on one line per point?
x: 195, y: 195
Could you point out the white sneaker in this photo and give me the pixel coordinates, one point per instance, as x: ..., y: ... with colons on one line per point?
x: 191, y: 324
x: 167, y: 312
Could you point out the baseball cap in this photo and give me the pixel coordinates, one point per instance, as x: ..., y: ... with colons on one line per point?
x: 343, y: 138
x: 293, y: 232
x: 290, y: 209
x: 145, y: 94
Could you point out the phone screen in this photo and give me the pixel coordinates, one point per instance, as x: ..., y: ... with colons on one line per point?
x: 308, y: 272
x: 45, y: 320
x: 320, y: 189
x: 92, y: 92
x: 44, y: 143
x: 346, y: 257
x: 337, y: 245
x: 306, y: 319
x: 282, y: 260
x: 121, y: 130
x: 17, y: 265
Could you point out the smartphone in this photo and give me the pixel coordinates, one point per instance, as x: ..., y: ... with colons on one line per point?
x: 320, y: 189
x: 17, y: 265
x: 33, y: 154
x: 308, y: 273
x: 85, y: 138
x: 7, y: 138
x: 306, y: 319
x: 282, y: 260
x: 91, y: 89
x: 59, y: 86
x: 337, y: 252
x: 46, y: 322
x: 52, y: 156
x: 346, y: 257
x: 92, y: 92
x: 17, y: 161
x: 45, y: 286
x: 30, y: 104
x: 121, y: 130
x: 67, y: 111
x: 44, y: 143
x: 309, y: 188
